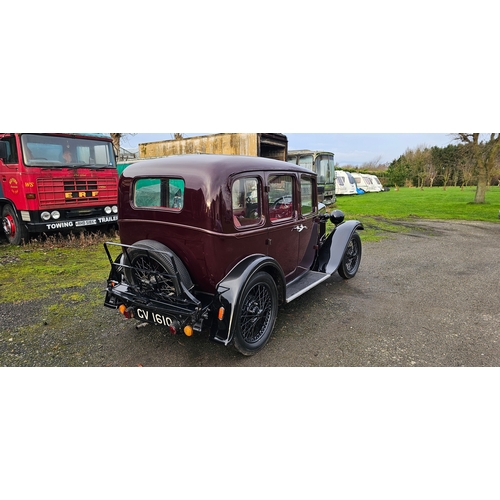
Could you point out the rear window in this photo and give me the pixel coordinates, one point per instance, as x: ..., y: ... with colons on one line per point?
x: 159, y: 193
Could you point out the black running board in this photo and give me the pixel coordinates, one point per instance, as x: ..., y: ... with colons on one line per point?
x: 303, y: 284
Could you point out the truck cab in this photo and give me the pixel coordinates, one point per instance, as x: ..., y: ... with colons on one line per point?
x: 323, y: 165
x: 56, y: 182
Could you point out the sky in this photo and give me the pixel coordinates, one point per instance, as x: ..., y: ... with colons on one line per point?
x: 349, y: 149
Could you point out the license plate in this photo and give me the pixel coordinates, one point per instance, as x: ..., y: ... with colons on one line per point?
x: 80, y: 223
x: 152, y: 317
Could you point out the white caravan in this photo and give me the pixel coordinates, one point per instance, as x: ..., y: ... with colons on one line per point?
x: 344, y: 183
x: 364, y: 182
x: 377, y: 183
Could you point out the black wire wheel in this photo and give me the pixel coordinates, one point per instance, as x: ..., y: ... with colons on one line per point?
x: 147, y: 267
x: 256, y: 315
x: 352, y: 257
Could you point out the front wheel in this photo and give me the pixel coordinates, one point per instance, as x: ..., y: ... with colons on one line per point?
x: 256, y: 315
x: 13, y: 228
x: 352, y: 258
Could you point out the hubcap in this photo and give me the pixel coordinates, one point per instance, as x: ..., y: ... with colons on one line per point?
x: 152, y: 277
x: 9, y: 226
x: 352, y: 256
x: 256, y: 314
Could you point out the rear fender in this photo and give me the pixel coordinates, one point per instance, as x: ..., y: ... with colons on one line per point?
x: 229, y: 291
x: 332, y: 251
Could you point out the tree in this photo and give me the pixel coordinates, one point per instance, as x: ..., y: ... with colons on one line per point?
x: 420, y: 162
x: 372, y: 164
x: 447, y: 162
x: 116, y: 142
x: 485, y: 155
x: 398, y: 172
x: 117, y: 139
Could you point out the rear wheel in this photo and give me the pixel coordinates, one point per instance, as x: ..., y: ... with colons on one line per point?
x: 352, y: 258
x: 256, y: 316
x: 15, y: 231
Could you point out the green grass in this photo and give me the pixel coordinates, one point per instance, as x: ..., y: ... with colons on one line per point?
x: 429, y: 203
x: 39, y: 269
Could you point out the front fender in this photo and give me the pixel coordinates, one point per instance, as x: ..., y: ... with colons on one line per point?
x: 229, y: 290
x: 332, y: 251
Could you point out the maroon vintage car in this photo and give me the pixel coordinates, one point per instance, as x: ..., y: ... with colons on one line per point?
x: 216, y: 243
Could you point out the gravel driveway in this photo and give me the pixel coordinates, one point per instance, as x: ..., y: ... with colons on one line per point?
x: 428, y: 297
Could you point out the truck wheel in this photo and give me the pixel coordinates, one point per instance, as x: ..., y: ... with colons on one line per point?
x: 256, y: 316
x: 151, y: 270
x: 13, y: 228
x: 352, y: 258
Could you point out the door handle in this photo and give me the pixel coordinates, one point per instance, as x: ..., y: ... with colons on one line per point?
x: 299, y: 228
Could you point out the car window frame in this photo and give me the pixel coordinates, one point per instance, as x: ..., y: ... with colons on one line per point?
x: 236, y: 219
x: 314, y: 204
x: 293, y: 216
x: 164, y: 181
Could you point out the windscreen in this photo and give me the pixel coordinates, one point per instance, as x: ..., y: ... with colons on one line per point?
x: 307, y: 161
x: 59, y: 151
x: 325, y: 169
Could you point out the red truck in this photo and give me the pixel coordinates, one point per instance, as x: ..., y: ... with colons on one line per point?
x: 56, y: 182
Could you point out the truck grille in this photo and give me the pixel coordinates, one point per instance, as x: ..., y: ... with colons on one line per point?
x: 78, y: 192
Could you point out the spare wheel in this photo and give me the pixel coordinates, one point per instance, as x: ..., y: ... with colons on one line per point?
x: 148, y: 267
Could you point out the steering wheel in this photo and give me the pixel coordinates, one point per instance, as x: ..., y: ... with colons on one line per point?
x: 284, y: 201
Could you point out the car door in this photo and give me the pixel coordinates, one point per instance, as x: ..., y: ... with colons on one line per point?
x: 307, y: 225
x: 250, y: 235
x: 282, y: 213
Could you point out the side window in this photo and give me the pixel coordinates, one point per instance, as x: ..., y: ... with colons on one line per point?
x: 247, y: 205
x: 280, y: 197
x: 306, y: 195
x: 159, y: 193
x: 11, y: 150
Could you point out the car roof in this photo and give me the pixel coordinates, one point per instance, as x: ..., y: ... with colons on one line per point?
x: 205, y: 169
x: 308, y: 152
x: 214, y: 166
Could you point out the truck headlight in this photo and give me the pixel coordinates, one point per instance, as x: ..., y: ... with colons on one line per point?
x: 107, y: 210
x: 55, y: 214
x: 45, y: 215
x: 115, y: 209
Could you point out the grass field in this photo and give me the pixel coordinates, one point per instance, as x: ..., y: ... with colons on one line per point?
x: 40, y: 268
x: 429, y: 203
